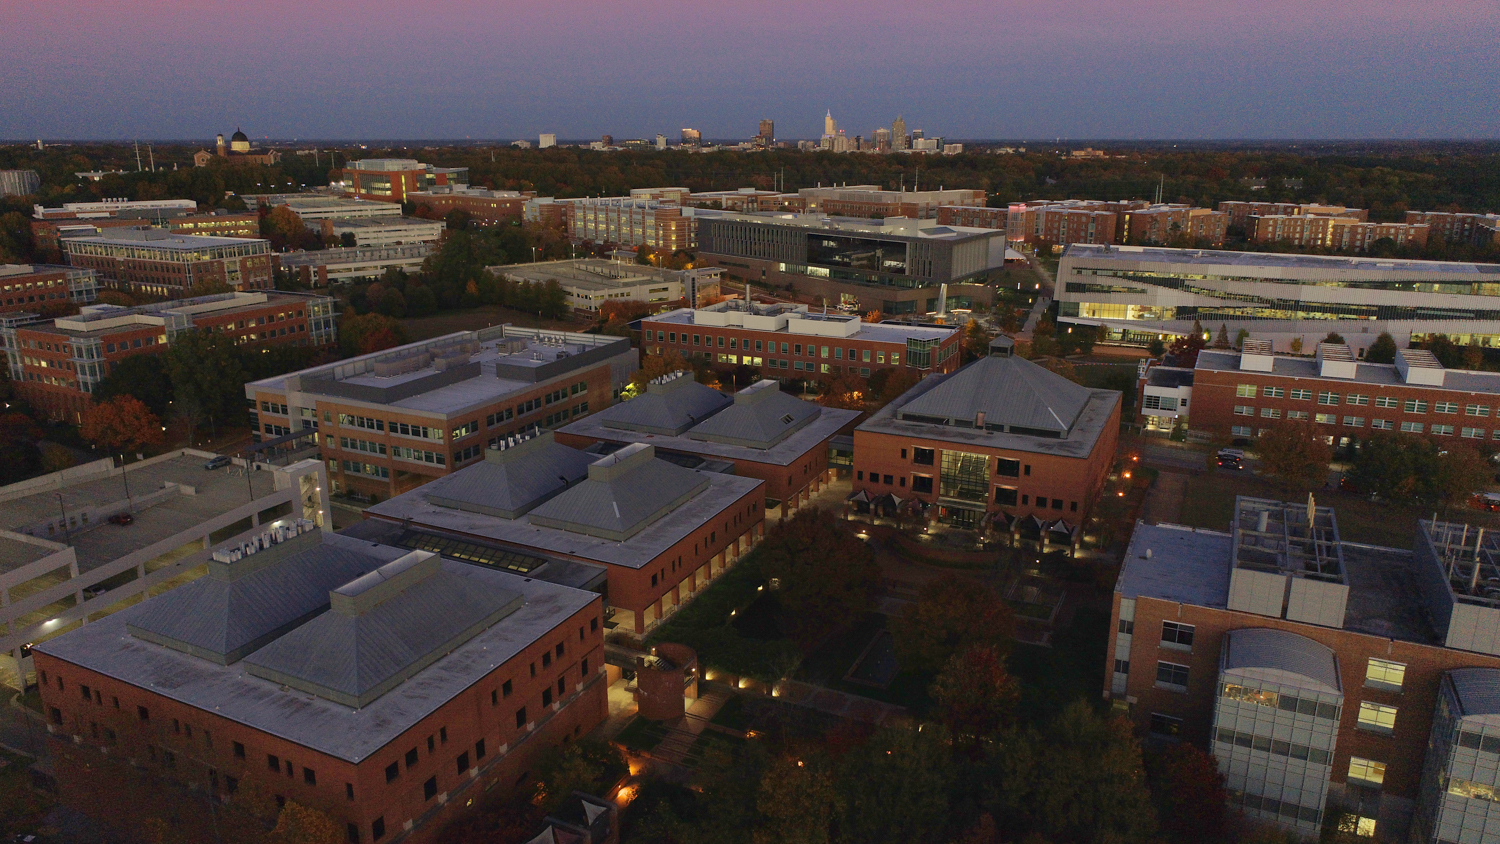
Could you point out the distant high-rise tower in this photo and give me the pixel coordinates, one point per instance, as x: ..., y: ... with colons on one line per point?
x: 767, y: 132
x: 546, y: 140
x: 918, y: 134
x: 691, y: 137
x: 898, y: 133
x: 661, y: 141
x: 830, y: 126
x: 882, y: 140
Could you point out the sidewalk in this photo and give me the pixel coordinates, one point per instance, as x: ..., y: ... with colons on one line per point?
x: 838, y: 703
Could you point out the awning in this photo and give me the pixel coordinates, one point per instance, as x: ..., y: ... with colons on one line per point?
x: 860, y: 497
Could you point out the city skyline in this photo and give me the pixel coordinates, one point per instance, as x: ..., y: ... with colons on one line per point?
x: 1236, y: 72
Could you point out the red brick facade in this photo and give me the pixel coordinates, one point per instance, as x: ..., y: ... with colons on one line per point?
x: 1047, y: 486
x: 820, y: 356
x: 476, y: 732
x: 1402, y: 751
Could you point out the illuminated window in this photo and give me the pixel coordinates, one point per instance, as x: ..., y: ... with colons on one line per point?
x: 1384, y: 674
x: 1366, y: 770
x: 1377, y: 717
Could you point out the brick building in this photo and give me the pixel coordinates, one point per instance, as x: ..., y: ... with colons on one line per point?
x: 389, y: 421
x: 1242, y: 394
x: 486, y: 206
x: 237, y: 151
x: 391, y: 179
x: 1331, y: 232
x: 660, y: 530
x: 787, y: 342
x: 379, y: 231
x: 747, y: 200
x: 1162, y: 223
x: 762, y: 432
x: 1000, y: 436
x: 41, y: 287
x: 311, y: 207
x: 1475, y: 229
x: 972, y: 216
x: 1316, y: 671
x: 381, y: 686
x: 56, y: 364
x: 591, y: 283
x: 164, y: 264
x: 139, y: 209
x: 1240, y: 212
x: 870, y: 201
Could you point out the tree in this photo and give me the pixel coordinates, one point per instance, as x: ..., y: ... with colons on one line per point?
x: 585, y: 765
x: 655, y: 366
x: 299, y: 824
x: 1383, y: 350
x: 1079, y: 781
x: 362, y: 334
x: 1190, y: 796
x: 796, y: 802
x: 950, y: 614
x: 1453, y: 474
x: 975, y: 694
x: 1473, y: 356
x: 1335, y: 338
x: 286, y: 230
x: 1240, y: 337
x: 20, y: 457
x: 1156, y: 348
x: 824, y: 576
x: 140, y: 376
x: 1185, y: 350
x: 121, y: 424
x: 1058, y: 366
x: 1386, y: 466
x: 893, y: 788
x: 1295, y: 453
x: 847, y: 391
x: 976, y: 340
x: 892, y: 385
x: 1222, y: 340
x: 207, y: 378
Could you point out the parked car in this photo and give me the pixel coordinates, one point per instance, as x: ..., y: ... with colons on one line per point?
x: 1486, y: 501
x: 121, y: 519
x: 216, y: 462
x: 1231, y: 458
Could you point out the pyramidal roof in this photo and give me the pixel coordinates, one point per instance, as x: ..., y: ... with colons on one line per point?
x: 240, y: 606
x: 512, y: 480
x: 1002, y: 392
x: 624, y: 493
x: 760, y: 417
x: 671, y: 405
x: 383, y: 628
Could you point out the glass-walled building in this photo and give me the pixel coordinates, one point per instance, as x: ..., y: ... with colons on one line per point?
x: 1139, y: 294
x: 1460, y: 793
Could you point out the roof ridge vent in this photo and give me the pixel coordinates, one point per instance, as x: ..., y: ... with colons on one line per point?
x: 365, y: 593
x: 621, y: 462
x: 514, y: 447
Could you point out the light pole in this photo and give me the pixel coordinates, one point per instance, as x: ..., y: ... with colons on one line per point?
x: 67, y: 536
x: 126, y: 477
x: 533, y: 254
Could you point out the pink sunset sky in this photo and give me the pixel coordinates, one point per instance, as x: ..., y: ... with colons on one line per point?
x: 579, y: 68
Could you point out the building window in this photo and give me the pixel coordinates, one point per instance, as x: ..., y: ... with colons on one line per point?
x: 392, y: 771
x: 1476, y: 410
x: 1354, y: 421
x: 1356, y: 398
x: 1171, y: 675
x: 1445, y: 407
x: 1244, y: 410
x: 520, y: 717
x: 462, y: 762
x: 1177, y: 636
x: 1165, y: 725
x: 411, y: 758
x: 1384, y: 674
x: 239, y: 750
x: 1270, y: 413
x: 1301, y: 395
x: 1442, y: 430
x: 377, y: 829
x: 921, y: 483
x: 429, y: 788
x: 1007, y: 468
x: 1326, y: 418
x: 1127, y: 626
x: 1414, y: 406
x: 505, y: 689
x: 1411, y: 427
x: 1274, y: 392
x: 1382, y: 424
x: 1377, y: 717
x: 1245, y: 391
x: 964, y: 476
x: 1005, y: 496
x: 922, y: 456
x: 1327, y: 398
x: 273, y: 762
x: 1366, y: 770
x: 1386, y: 401
x: 309, y: 776
x: 1297, y: 415
x: 1241, y: 430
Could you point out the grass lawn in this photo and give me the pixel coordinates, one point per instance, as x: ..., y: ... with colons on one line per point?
x: 708, y: 741
x: 642, y: 734
x: 732, y: 715
x: 484, y: 316
x: 827, y: 666
x: 22, y: 808
x: 1072, y: 668
x: 1209, y: 503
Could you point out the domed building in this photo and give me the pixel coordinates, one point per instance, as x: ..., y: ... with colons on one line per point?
x: 238, y: 151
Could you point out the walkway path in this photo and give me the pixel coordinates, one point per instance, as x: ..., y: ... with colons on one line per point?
x: 684, y: 733
x: 838, y: 703
x: 1164, y: 500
